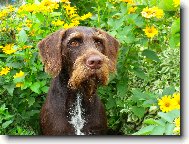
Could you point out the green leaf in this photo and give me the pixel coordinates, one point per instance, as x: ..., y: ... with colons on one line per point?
x: 31, y: 101
x: 27, y: 114
x: 19, y: 79
x: 26, y: 85
x: 138, y: 111
x: 139, y: 72
x: 35, y: 87
x: 153, y: 3
x: 140, y: 22
x: 175, y: 28
x: 126, y: 30
x: 40, y: 17
x: 138, y: 95
x: 166, y: 117
x: 168, y: 91
x: 125, y: 34
x: 167, y: 5
x: 3, y: 55
x: 116, y: 24
x: 149, y: 102
x: 123, y: 8
x: 55, y: 14
x: 170, y: 116
x: 150, y: 121
x: 145, y: 130
x: 122, y: 88
x: 161, y: 122
x: 150, y: 54
x: 9, y: 88
x: 158, y: 130
x: 22, y: 36
x: 174, y: 41
x: 45, y: 89
x: 14, y: 64
x: 169, y: 129
x: 111, y: 103
x: 6, y: 124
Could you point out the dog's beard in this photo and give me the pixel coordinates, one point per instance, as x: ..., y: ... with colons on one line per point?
x: 81, y: 74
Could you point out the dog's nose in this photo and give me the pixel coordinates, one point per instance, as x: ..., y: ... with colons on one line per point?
x: 94, y: 62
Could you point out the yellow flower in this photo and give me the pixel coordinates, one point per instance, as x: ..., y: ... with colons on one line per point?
x: 165, y: 103
x: 25, y: 47
x: 157, y: 12
x: 176, y: 3
x: 147, y: 12
x: 177, y: 126
x: 29, y: 25
x: 10, y: 8
x: 128, y: 1
x: 19, y: 84
x: 3, y: 14
x: 32, y: 32
x: 177, y: 122
x: 58, y: 23
x: 69, y: 10
x: 8, y: 49
x: 86, y: 16
x: 150, y: 31
x: 66, y: 26
x: 18, y: 75
x: 74, y: 22
x: 7, y: 10
x: 64, y: 1
x: 19, y: 28
x: 132, y: 9
x: 28, y: 8
x: 176, y: 131
x: 152, y: 12
x: 176, y: 100
x: 4, y: 71
x: 44, y: 6
x: 48, y: 5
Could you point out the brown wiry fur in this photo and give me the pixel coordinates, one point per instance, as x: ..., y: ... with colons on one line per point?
x: 73, y: 76
x: 51, y: 53
x: 111, y: 48
x: 81, y: 72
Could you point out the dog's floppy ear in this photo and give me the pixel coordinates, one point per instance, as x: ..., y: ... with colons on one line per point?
x: 111, y: 48
x: 50, y: 50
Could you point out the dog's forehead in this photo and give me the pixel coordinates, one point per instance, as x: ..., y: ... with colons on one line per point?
x: 88, y: 31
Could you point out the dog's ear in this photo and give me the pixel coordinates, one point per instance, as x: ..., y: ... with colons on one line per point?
x: 111, y: 48
x: 50, y: 50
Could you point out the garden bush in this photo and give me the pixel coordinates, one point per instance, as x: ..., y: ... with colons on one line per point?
x: 142, y: 97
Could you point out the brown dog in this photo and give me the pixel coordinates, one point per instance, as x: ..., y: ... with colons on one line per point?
x: 79, y: 59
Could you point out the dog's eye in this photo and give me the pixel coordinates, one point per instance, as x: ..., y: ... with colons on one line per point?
x: 75, y: 42
x: 98, y: 43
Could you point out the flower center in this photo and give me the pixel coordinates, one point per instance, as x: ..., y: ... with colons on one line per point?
x: 150, y: 31
x: 167, y: 104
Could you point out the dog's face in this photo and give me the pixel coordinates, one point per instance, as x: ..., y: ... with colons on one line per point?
x: 88, y: 54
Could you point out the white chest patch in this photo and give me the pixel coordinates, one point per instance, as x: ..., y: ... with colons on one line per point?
x: 77, y: 119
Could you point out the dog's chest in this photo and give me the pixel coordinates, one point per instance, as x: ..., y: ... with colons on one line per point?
x: 77, y: 117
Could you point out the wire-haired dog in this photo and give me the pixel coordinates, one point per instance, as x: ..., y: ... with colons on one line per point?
x: 79, y: 59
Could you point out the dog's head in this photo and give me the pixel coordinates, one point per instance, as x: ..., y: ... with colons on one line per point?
x: 88, y: 54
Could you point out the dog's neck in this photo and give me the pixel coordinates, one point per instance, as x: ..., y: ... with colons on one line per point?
x: 87, y: 89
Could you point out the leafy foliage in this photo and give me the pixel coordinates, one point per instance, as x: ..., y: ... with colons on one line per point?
x: 148, y: 65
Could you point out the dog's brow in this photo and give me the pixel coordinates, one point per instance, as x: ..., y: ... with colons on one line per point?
x: 74, y: 34
x: 99, y: 37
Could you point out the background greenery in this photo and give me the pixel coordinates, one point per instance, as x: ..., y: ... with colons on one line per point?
x: 147, y: 68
